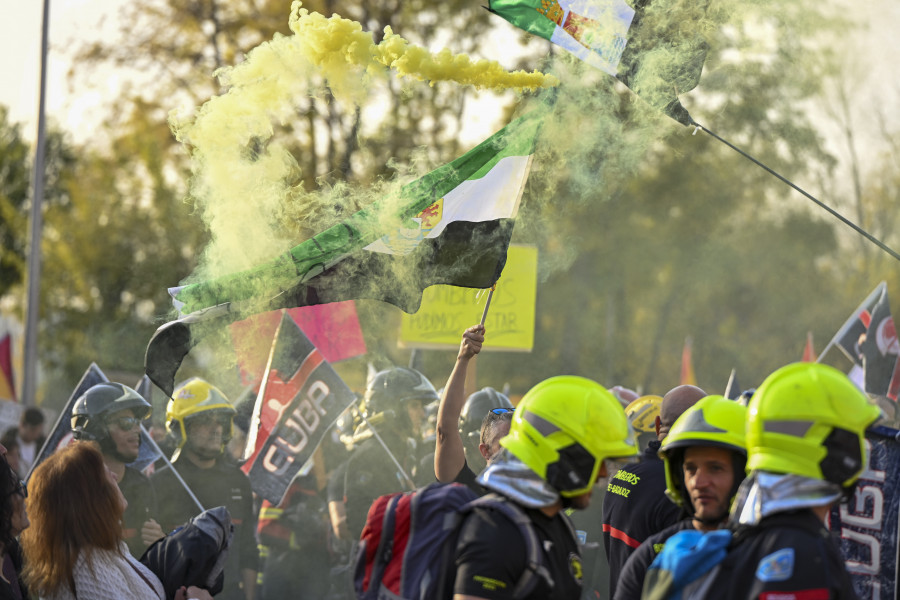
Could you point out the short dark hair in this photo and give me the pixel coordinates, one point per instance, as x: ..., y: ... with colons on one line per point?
x: 489, y: 424
x: 32, y: 416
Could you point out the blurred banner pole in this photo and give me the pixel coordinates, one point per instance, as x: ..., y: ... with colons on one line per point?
x: 33, y: 302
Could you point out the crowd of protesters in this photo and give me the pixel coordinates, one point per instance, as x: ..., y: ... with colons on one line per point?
x: 718, y: 500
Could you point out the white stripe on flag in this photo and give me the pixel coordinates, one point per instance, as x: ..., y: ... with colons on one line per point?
x: 494, y: 196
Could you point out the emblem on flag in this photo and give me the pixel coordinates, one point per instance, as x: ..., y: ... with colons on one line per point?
x: 404, y: 240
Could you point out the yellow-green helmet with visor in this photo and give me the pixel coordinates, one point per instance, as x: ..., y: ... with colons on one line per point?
x: 809, y: 419
x: 564, y: 428
x: 714, y: 421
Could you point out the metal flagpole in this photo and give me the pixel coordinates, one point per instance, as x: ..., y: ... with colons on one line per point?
x: 34, y: 244
x: 409, y: 480
x: 487, y: 304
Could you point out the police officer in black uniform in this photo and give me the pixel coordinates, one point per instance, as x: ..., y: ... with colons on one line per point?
x: 111, y: 415
x: 382, y: 461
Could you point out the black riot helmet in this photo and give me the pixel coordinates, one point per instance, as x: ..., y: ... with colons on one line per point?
x: 389, y: 391
x: 95, y: 405
x: 91, y: 410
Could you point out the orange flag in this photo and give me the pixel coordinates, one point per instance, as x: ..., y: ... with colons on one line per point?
x: 809, y: 354
x: 687, y: 367
x: 7, y: 385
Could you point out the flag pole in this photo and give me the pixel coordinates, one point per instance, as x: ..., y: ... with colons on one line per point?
x: 731, y: 383
x: 253, y: 433
x: 487, y: 304
x: 175, y: 472
x: 893, y: 253
x: 32, y: 305
x: 403, y: 472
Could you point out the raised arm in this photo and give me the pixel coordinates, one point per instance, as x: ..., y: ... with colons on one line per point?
x: 449, y: 456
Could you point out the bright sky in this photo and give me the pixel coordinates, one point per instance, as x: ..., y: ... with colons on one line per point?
x: 20, y: 45
x: 878, y: 83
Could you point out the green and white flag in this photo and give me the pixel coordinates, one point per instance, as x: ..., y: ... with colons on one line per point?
x: 595, y: 32
x: 451, y: 226
x: 644, y: 54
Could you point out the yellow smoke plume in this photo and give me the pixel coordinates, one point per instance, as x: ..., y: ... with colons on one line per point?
x: 243, y: 178
x: 336, y: 40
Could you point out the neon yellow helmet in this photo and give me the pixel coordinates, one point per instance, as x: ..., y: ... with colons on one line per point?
x: 191, y: 398
x: 809, y: 419
x: 564, y: 428
x: 713, y: 421
x: 642, y: 414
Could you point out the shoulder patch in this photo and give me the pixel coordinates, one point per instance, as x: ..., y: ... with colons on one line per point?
x: 582, y: 536
x: 488, y: 583
x: 575, y: 567
x: 778, y: 566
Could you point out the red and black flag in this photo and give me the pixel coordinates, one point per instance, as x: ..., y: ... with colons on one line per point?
x: 61, y: 434
x: 300, y: 399
x: 853, y: 330
x: 881, y: 352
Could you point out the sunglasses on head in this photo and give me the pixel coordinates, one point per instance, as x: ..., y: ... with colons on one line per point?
x: 125, y: 423
x: 502, y: 411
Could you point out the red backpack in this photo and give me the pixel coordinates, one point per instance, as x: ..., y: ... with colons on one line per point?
x: 409, y: 538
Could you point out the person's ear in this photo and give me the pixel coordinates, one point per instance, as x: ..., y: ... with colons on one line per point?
x: 485, y: 451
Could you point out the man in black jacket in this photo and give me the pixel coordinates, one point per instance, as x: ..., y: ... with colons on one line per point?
x: 564, y: 431
x: 468, y: 430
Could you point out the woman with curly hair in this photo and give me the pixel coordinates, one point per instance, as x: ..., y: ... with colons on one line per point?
x: 74, y: 547
x: 13, y: 520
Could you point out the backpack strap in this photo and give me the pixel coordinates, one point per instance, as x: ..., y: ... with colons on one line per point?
x: 385, y: 549
x: 368, y: 564
x: 534, y: 562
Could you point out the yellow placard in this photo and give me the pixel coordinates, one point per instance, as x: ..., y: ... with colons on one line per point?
x: 447, y: 310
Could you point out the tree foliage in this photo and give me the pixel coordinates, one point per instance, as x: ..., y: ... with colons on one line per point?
x: 640, y: 246
x: 15, y: 193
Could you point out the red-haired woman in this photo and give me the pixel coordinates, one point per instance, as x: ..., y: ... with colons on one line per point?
x: 74, y: 547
